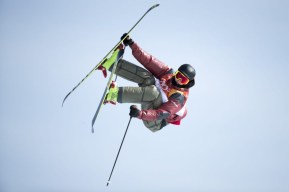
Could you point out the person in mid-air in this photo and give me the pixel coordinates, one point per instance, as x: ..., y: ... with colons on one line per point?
x: 161, y: 92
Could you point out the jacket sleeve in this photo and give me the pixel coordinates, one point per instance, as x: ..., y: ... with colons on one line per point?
x: 174, y: 104
x: 155, y: 66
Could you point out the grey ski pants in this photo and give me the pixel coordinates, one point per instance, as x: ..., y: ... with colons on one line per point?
x: 146, y: 94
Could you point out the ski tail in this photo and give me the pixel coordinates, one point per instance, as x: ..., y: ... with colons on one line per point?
x: 100, y: 63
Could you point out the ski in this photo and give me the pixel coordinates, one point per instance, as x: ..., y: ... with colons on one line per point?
x: 105, y: 57
x: 119, y: 56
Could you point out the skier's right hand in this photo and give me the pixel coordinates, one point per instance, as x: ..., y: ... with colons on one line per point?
x: 127, y: 41
x: 134, y: 111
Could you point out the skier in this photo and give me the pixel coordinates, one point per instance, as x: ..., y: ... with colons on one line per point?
x: 161, y: 92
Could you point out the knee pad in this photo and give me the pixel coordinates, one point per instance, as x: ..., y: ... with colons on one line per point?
x: 148, y: 81
x: 151, y: 93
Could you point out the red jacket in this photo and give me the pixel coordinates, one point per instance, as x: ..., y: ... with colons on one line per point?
x: 177, y: 97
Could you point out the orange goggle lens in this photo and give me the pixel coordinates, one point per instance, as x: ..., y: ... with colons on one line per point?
x: 181, y: 77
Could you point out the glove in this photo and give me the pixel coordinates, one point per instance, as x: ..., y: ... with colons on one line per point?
x: 127, y: 41
x: 134, y: 111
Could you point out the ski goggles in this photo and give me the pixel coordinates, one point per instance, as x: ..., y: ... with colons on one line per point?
x: 183, y: 79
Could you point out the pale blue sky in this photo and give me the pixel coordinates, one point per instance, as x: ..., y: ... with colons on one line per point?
x: 234, y: 139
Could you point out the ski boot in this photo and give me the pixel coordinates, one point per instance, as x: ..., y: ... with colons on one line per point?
x: 111, y: 96
x: 108, y: 62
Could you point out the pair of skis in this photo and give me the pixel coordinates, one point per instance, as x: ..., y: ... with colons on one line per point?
x: 120, y: 54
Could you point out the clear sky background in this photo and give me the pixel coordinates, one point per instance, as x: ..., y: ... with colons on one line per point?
x: 234, y: 139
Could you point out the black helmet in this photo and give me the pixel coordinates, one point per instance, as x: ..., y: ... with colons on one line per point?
x: 188, y: 71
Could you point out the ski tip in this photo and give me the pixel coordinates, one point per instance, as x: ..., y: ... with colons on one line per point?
x: 156, y: 5
x: 107, y: 183
x: 92, y: 129
x: 65, y: 98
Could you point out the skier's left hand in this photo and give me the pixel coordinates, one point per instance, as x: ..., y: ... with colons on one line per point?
x: 134, y: 111
x: 127, y: 41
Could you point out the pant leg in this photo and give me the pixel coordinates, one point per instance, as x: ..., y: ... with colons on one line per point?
x: 140, y: 95
x: 134, y: 73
